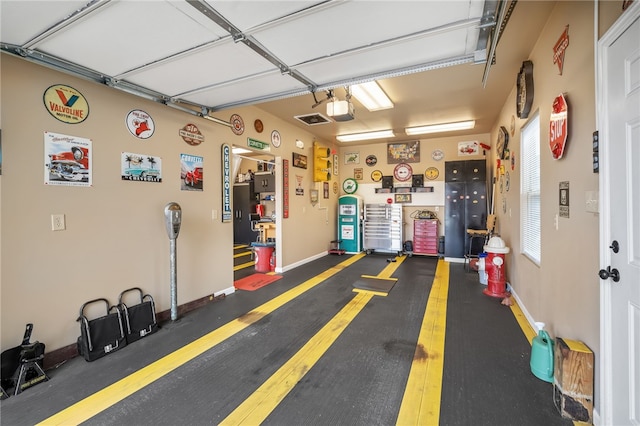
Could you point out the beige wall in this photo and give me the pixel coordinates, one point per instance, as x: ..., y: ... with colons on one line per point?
x: 448, y: 145
x: 115, y: 237
x: 563, y: 291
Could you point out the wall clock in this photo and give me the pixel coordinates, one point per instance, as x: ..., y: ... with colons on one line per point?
x: 275, y: 139
x: 402, y: 172
x: 376, y: 175
x: 237, y: 124
x: 431, y: 173
x: 503, y: 141
x: 524, y: 92
x: 350, y: 185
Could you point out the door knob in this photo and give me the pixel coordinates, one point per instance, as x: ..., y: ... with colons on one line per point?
x: 614, y: 274
x: 615, y: 247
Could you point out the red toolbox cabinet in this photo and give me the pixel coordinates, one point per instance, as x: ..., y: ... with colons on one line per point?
x: 425, y: 236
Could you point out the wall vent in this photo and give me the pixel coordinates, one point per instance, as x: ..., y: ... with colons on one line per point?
x: 312, y: 119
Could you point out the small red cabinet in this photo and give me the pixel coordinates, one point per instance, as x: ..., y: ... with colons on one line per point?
x: 425, y: 236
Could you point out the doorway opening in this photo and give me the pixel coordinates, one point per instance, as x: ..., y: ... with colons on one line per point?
x: 254, y: 207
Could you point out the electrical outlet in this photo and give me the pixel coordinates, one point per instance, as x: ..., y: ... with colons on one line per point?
x: 58, y: 222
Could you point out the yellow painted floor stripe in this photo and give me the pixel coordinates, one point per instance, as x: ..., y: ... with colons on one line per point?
x: 522, y: 321
x: 255, y: 409
x: 243, y: 265
x: 421, y: 400
x: 239, y: 246
x: 391, y: 267
x: 244, y: 253
x: 105, y: 398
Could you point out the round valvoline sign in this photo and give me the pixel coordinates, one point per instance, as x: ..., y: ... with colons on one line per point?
x: 66, y: 104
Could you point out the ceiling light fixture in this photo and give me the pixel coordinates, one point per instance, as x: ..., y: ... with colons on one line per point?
x: 371, y: 95
x: 436, y: 128
x: 380, y: 134
x: 238, y: 151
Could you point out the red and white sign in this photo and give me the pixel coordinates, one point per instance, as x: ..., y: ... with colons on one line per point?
x: 558, y: 126
x: 559, y: 49
x: 191, y: 134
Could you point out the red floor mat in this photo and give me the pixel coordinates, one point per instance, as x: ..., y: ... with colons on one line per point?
x: 255, y: 281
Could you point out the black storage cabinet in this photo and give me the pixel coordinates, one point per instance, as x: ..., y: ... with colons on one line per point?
x: 244, y: 204
x: 465, y: 204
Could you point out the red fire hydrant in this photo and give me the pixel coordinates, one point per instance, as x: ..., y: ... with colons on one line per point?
x: 494, y: 264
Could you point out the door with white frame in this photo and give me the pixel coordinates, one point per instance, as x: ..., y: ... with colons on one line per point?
x: 618, y: 81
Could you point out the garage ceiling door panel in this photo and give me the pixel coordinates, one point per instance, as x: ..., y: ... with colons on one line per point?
x: 24, y: 20
x: 346, y: 26
x: 386, y: 58
x: 249, y: 14
x: 243, y: 90
x: 212, y: 65
x: 127, y: 35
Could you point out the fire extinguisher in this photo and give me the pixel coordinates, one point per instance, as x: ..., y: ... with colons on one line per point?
x: 272, y: 261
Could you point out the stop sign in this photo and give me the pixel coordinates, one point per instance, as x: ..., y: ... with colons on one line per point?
x: 558, y: 126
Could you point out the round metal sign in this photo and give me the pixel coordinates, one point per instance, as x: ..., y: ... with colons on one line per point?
x: 140, y: 124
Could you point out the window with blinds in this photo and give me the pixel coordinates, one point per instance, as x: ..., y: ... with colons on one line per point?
x: 530, y: 189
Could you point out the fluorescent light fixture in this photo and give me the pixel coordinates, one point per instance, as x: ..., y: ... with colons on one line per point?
x: 380, y: 134
x: 445, y: 127
x: 239, y: 151
x: 371, y: 96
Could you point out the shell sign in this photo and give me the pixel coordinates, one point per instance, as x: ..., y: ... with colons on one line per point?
x: 558, y: 126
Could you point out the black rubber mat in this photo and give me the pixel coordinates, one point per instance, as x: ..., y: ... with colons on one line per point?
x: 381, y: 285
x: 487, y: 379
x: 359, y: 380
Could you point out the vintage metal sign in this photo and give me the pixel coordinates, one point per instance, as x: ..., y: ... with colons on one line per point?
x: 559, y: 48
x: 226, y: 183
x: 66, y: 104
x: 140, y: 124
x: 67, y: 160
x: 191, y: 134
x: 140, y: 167
x: 558, y: 126
x: 256, y: 144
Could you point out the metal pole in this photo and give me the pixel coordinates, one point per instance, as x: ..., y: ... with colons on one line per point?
x: 174, y: 279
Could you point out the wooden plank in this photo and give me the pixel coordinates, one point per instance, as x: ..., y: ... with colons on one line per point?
x: 573, y: 380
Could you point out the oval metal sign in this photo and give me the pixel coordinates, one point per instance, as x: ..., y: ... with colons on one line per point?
x: 66, y: 104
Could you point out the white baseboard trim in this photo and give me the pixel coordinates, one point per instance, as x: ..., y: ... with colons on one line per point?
x: 523, y: 308
x: 454, y: 259
x: 227, y: 291
x: 301, y: 262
